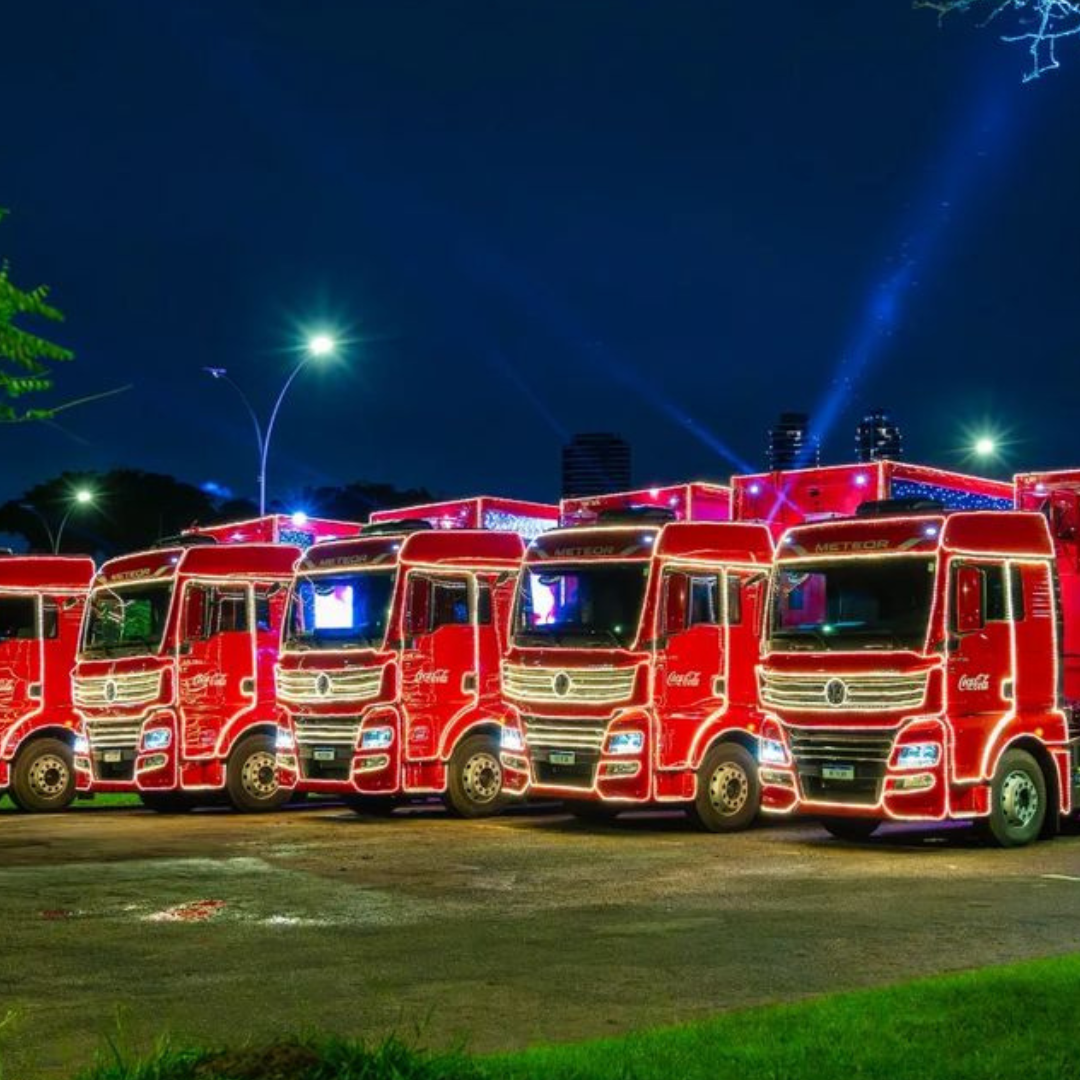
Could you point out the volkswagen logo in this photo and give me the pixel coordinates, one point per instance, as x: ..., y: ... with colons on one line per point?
x: 835, y: 692
x: 322, y: 684
x: 110, y: 691
x: 561, y: 684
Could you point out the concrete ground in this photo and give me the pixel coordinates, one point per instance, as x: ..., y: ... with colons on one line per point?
x: 123, y: 925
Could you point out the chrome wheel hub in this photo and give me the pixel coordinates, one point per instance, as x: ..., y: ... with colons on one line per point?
x: 482, y: 778
x: 49, y: 776
x: 259, y: 775
x: 1019, y: 799
x: 729, y: 788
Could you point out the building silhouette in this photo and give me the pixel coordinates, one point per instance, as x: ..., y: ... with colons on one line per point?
x: 594, y: 464
x: 791, y: 445
x: 877, y: 438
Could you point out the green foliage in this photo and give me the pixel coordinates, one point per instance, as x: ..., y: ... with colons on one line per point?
x: 995, y: 1024
x: 25, y: 357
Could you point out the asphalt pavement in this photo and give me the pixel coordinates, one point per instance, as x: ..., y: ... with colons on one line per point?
x: 121, y: 925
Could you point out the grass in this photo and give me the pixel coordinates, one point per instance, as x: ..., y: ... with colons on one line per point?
x: 993, y: 1024
x: 98, y: 802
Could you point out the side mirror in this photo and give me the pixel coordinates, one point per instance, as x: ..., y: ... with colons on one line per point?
x: 970, y: 609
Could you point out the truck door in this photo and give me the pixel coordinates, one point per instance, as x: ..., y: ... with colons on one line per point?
x: 217, y: 672
x: 439, y: 663
x: 690, y: 660
x: 21, y: 670
x: 979, y: 672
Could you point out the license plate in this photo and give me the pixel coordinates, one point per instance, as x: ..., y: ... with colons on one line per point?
x: 562, y: 757
x: 324, y: 755
x: 112, y: 756
x: 838, y: 772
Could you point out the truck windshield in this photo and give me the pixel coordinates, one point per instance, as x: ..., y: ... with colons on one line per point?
x: 129, y: 619
x: 580, y: 605
x: 852, y: 604
x: 340, y: 611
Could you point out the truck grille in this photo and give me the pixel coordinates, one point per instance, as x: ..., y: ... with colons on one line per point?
x: 113, y: 734
x: 313, y: 687
x: 326, y: 730
x: 133, y: 688
x: 554, y: 739
x: 587, y: 686
x: 841, y: 765
x: 844, y: 693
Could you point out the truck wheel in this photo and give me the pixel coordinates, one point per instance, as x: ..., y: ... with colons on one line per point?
x: 728, y: 790
x: 474, y: 778
x: 1017, y: 800
x: 592, y: 810
x: 372, y: 805
x: 251, y: 776
x: 43, y: 780
x: 850, y: 828
x: 167, y: 802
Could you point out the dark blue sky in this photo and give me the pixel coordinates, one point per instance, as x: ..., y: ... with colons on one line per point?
x: 535, y: 217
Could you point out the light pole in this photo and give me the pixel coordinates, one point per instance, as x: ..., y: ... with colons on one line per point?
x: 317, y: 347
x: 82, y: 497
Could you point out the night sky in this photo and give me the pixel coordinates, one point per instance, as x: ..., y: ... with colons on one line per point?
x: 671, y: 220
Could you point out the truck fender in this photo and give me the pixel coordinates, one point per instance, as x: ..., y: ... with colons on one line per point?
x: 724, y: 729
x: 467, y: 722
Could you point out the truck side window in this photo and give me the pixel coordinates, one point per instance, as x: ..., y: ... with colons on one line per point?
x: 997, y: 608
x: 230, y: 610
x: 704, y: 607
x: 1016, y: 585
x: 734, y: 600
x: 263, y: 622
x: 50, y: 620
x: 449, y: 602
x: 18, y: 618
x: 483, y: 603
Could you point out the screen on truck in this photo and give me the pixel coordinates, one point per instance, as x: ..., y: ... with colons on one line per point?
x: 580, y: 605
x: 340, y: 611
x: 851, y: 604
x: 127, y: 619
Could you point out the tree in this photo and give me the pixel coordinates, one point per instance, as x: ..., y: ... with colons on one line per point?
x: 24, y: 356
x: 1039, y: 24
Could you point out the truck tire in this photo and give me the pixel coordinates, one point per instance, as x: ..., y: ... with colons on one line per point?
x: 850, y: 828
x: 728, y: 789
x: 43, y: 780
x: 251, y: 776
x: 372, y: 805
x: 1017, y: 800
x: 167, y: 802
x: 474, y: 778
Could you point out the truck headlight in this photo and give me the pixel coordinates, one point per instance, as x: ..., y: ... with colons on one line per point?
x: 81, y: 745
x: 920, y: 755
x: 512, y: 739
x: 626, y: 742
x: 772, y: 752
x: 376, y: 738
x: 159, y: 738
x: 285, y: 741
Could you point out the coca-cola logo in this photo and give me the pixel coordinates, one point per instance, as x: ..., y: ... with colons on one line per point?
x: 207, y: 681
x: 440, y: 676
x: 684, y: 678
x: 969, y: 683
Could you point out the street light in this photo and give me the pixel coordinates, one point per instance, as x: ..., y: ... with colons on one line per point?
x: 985, y: 446
x: 81, y: 497
x: 317, y: 347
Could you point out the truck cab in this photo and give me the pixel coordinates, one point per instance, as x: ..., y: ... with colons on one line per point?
x: 388, y: 678
x: 629, y: 680
x: 174, y: 676
x: 41, y: 606
x: 915, y: 669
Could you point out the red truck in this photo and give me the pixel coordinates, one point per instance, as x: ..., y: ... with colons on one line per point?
x: 174, y: 680
x: 41, y: 607
x: 527, y: 519
x: 925, y: 666
x: 630, y: 675
x: 389, y: 673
